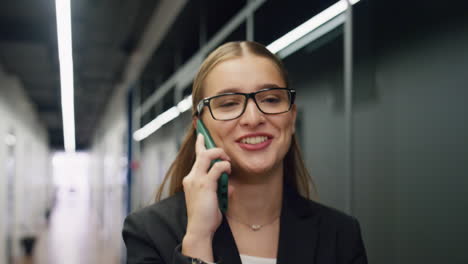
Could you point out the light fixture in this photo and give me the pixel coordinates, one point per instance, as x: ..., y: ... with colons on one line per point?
x: 156, y: 123
x: 10, y: 139
x: 163, y: 119
x: 64, y: 38
x: 185, y: 104
x: 310, y: 25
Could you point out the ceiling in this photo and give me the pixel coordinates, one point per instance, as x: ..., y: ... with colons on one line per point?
x: 105, y: 32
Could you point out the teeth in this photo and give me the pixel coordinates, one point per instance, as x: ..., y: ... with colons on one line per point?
x: 254, y: 140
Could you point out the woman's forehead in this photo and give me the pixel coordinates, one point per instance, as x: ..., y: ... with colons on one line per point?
x: 244, y: 74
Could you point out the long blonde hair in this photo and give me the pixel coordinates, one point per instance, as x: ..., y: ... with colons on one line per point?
x: 295, y: 172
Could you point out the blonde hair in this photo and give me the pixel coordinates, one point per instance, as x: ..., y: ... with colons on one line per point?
x: 295, y: 172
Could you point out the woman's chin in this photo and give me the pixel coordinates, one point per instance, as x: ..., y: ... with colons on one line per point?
x: 259, y: 172
x: 256, y: 171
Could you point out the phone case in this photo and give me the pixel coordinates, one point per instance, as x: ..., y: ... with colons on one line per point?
x: 223, y: 180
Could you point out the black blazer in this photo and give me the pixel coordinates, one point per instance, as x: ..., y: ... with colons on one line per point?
x: 309, y: 233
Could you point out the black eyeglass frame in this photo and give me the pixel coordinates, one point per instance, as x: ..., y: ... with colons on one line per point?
x: 206, y: 102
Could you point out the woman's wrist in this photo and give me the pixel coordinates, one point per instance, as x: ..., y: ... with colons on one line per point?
x: 198, y: 246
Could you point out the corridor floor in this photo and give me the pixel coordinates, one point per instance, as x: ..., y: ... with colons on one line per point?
x: 74, y: 235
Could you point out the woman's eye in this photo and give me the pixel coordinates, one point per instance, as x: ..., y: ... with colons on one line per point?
x: 228, y: 104
x: 271, y: 100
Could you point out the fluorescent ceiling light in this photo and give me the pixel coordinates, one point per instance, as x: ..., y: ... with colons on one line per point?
x: 62, y: 8
x: 310, y: 25
x: 185, y: 104
x: 163, y: 119
x: 156, y: 123
x: 10, y: 140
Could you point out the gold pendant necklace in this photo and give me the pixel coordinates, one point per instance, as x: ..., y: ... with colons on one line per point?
x: 253, y: 227
x: 256, y: 227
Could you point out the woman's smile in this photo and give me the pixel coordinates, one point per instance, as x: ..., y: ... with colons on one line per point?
x: 255, y: 141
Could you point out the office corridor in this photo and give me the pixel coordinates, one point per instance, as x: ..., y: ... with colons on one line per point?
x: 74, y: 235
x: 97, y: 99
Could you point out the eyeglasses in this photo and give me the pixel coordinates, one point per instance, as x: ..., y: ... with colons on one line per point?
x: 230, y: 106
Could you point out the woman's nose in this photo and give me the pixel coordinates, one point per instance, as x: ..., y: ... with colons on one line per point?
x: 252, y: 116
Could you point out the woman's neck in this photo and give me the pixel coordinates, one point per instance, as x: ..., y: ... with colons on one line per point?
x: 256, y: 202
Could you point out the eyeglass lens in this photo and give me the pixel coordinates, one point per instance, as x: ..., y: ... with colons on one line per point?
x: 231, y: 106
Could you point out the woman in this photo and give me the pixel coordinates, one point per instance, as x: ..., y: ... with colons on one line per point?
x: 241, y: 93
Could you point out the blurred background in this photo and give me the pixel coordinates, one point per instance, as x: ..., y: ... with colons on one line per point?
x: 86, y: 138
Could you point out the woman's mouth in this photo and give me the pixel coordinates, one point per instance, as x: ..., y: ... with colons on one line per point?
x: 255, y: 142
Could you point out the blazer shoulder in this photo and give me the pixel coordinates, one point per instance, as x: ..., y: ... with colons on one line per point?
x: 332, y: 216
x: 170, y: 213
x: 346, y: 231
x: 152, y: 234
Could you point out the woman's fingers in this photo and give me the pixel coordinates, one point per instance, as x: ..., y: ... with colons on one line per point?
x: 200, y: 144
x: 218, y: 168
x: 206, y: 156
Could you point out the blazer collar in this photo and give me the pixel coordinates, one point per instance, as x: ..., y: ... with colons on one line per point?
x: 297, y: 238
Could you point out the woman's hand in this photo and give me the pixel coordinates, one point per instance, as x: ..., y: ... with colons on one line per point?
x: 200, y: 187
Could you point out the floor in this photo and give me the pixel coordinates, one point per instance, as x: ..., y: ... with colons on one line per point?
x: 74, y: 236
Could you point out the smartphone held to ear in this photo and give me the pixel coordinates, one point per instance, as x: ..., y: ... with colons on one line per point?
x: 223, y: 180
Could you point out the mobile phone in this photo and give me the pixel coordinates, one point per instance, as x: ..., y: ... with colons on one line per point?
x: 223, y: 180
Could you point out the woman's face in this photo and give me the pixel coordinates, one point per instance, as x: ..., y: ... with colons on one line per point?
x: 248, y: 74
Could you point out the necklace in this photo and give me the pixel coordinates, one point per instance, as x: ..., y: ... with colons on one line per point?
x: 253, y: 227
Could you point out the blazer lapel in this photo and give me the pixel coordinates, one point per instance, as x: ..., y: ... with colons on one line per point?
x: 224, y: 245
x: 298, y: 230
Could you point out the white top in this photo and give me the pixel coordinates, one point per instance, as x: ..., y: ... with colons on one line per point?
x: 256, y: 260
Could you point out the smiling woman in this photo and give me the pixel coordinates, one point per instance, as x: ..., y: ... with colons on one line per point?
x: 242, y: 95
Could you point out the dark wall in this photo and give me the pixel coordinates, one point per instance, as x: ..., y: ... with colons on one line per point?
x: 410, y: 132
